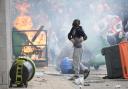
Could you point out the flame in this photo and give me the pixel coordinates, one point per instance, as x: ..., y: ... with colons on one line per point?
x: 41, y: 39
x: 24, y: 22
x: 27, y: 49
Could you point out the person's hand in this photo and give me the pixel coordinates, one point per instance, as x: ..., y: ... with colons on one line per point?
x: 72, y: 40
x: 81, y: 39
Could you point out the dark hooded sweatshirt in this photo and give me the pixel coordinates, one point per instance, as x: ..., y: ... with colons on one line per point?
x: 77, y: 32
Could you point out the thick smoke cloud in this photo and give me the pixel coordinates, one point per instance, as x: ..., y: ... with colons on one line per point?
x: 57, y: 17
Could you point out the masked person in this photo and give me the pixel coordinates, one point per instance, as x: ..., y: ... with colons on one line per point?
x: 77, y: 36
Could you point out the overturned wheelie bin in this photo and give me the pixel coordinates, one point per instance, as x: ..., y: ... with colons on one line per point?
x: 22, y: 71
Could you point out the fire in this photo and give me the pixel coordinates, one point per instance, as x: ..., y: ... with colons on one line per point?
x: 41, y: 39
x: 23, y: 22
x: 27, y: 50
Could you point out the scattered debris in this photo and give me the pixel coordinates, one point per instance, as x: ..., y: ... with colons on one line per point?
x: 54, y: 73
x: 95, y: 81
x: 86, y: 84
x: 107, y: 84
x: 79, y: 81
x: 39, y: 74
x: 80, y: 86
x: 118, y: 86
x: 43, y: 80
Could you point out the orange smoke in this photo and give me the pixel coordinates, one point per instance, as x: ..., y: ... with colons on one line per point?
x: 23, y: 7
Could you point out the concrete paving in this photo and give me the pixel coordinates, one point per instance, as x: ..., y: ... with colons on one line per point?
x: 48, y: 78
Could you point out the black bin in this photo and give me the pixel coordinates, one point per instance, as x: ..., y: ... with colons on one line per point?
x: 113, y: 61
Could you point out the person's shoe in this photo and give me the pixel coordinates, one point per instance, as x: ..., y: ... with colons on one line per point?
x: 86, y: 73
x: 74, y: 77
